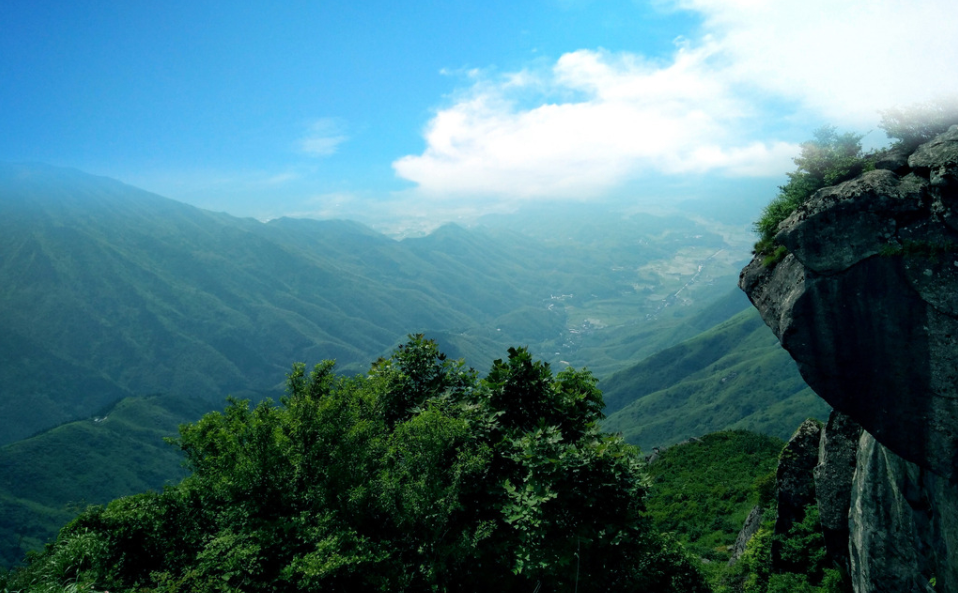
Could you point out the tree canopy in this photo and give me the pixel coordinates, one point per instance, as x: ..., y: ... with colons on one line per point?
x: 827, y: 159
x: 418, y: 476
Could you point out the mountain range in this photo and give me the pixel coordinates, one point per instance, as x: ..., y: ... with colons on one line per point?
x: 126, y: 313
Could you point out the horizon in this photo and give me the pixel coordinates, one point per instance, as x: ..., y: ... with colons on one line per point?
x: 735, y: 218
x: 383, y: 112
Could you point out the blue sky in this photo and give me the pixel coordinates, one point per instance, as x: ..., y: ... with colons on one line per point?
x: 443, y: 109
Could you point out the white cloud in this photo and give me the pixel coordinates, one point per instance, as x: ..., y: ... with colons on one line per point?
x: 630, y: 117
x: 323, y: 137
x: 330, y: 205
x: 595, y: 120
x: 846, y: 59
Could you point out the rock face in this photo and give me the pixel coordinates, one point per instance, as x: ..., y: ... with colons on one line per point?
x: 752, y: 524
x: 904, y: 531
x: 795, y: 490
x: 837, y: 457
x: 866, y: 302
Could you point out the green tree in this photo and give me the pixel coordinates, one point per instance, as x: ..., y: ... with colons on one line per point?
x: 827, y: 159
x: 803, y: 548
x: 419, y: 476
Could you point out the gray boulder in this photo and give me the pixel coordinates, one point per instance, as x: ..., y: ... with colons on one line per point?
x: 903, y: 525
x: 752, y: 524
x: 894, y: 159
x: 866, y: 304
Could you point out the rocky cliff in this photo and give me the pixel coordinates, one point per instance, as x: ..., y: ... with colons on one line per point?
x: 866, y: 302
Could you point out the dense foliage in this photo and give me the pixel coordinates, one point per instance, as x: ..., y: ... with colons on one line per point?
x: 807, y: 567
x: 419, y: 476
x: 827, y: 159
x: 702, y: 490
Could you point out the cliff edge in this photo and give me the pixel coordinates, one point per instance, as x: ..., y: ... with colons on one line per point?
x: 866, y: 302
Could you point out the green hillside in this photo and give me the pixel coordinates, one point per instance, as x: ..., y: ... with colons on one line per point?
x: 702, y: 490
x: 131, y: 293
x: 45, y: 480
x: 735, y: 375
x: 39, y: 389
x: 110, y: 293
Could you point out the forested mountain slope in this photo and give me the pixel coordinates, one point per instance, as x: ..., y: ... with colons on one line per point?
x: 47, y: 479
x: 130, y: 293
x: 735, y: 375
x: 111, y: 293
x: 108, y: 277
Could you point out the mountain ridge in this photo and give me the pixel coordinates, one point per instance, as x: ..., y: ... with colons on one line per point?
x: 155, y: 296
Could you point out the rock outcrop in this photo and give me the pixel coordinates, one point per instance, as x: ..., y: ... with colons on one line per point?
x: 837, y: 457
x: 751, y: 526
x: 866, y: 302
x: 903, y: 526
x: 795, y: 488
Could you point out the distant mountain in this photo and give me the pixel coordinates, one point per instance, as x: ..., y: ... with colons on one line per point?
x: 735, y: 375
x: 110, y: 291
x: 120, y: 303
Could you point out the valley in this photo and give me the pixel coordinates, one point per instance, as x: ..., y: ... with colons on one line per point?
x: 124, y: 306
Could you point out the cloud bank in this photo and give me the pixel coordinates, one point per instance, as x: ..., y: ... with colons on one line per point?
x: 594, y: 120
